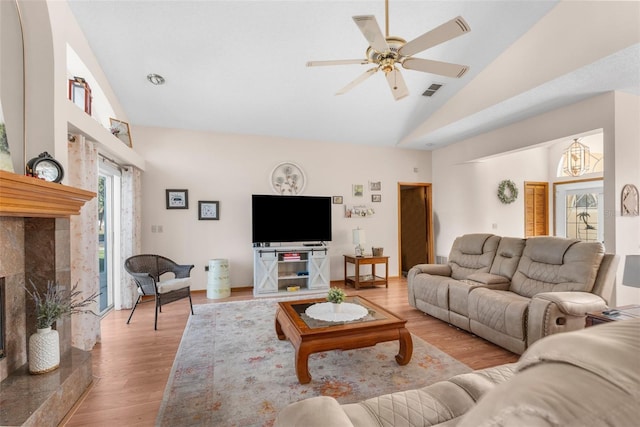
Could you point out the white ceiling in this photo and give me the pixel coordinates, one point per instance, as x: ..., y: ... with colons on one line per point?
x: 239, y: 67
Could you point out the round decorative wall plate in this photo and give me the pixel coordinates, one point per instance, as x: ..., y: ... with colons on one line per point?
x: 288, y: 179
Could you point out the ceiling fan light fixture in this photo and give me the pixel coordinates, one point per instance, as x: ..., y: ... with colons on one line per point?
x: 155, y: 79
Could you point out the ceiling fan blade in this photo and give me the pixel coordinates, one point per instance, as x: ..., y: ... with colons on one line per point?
x: 364, y: 76
x: 371, y: 31
x: 447, y: 31
x: 396, y: 84
x: 435, y: 67
x: 337, y: 62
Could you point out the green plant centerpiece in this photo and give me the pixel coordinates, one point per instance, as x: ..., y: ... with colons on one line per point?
x: 336, y: 295
x: 57, y: 303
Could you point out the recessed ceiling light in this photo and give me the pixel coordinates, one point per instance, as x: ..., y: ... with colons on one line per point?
x: 155, y: 79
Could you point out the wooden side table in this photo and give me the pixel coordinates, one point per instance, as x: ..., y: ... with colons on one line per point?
x: 359, y: 280
x: 619, y: 313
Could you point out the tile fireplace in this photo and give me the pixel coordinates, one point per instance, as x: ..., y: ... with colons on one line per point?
x: 35, y: 246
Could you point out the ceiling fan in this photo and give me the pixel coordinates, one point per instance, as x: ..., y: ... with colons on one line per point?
x: 386, y: 52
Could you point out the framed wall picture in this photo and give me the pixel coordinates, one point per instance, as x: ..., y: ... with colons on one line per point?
x: 375, y: 185
x: 120, y: 130
x: 177, y: 199
x: 337, y: 200
x: 208, y: 210
x: 80, y: 93
x: 358, y: 190
x: 376, y: 198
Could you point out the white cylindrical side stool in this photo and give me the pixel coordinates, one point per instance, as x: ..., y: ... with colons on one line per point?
x: 218, y: 284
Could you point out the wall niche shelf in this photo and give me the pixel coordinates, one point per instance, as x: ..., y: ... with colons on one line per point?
x: 80, y: 123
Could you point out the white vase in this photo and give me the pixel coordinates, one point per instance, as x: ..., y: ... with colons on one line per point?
x: 337, y: 307
x: 44, y: 351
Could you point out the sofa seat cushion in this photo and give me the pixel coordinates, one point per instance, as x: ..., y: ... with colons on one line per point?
x: 173, y: 284
x: 501, y: 311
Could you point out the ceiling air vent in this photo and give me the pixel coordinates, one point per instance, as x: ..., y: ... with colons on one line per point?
x: 432, y: 89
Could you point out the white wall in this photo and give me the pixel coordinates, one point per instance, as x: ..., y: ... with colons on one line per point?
x: 627, y: 171
x: 465, y: 194
x: 229, y: 168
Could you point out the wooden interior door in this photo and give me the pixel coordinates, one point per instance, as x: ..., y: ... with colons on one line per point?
x: 415, y: 225
x: 536, y: 212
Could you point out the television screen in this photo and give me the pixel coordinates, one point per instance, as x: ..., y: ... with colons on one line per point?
x: 290, y: 218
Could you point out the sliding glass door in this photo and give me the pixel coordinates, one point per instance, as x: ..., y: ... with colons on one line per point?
x: 108, y: 233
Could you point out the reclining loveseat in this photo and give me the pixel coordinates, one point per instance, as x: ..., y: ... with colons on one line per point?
x: 514, y: 291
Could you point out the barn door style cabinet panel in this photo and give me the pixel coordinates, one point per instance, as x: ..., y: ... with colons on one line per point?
x: 290, y: 269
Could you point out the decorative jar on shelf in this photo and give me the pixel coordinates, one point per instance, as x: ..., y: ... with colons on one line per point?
x: 44, y: 351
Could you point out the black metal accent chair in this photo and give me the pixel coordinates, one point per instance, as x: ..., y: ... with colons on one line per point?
x: 146, y: 270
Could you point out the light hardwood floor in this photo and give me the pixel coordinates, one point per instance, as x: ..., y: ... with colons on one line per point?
x: 132, y: 363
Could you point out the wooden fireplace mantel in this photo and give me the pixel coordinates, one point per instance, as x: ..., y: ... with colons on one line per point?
x: 25, y: 196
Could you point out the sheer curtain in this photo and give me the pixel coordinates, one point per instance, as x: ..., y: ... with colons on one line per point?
x: 130, y: 223
x: 83, y: 173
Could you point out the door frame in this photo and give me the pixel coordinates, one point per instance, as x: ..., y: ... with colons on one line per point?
x: 429, y: 203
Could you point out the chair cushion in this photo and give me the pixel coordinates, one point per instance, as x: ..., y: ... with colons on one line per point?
x: 173, y: 284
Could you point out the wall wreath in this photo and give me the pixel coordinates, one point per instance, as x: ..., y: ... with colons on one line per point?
x: 507, y: 191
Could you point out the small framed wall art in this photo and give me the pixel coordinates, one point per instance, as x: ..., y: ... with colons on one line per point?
x: 177, y: 199
x: 80, y: 93
x: 337, y: 200
x: 208, y: 210
x: 358, y: 190
x: 120, y: 130
x: 376, y: 198
x: 630, y: 200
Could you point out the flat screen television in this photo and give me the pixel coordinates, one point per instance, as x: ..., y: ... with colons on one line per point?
x: 290, y: 218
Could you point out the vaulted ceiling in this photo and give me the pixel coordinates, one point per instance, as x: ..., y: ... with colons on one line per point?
x: 239, y: 66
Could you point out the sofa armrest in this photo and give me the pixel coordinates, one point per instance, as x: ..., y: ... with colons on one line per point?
x: 489, y: 279
x: 434, y: 269
x: 320, y: 411
x: 553, y: 312
x: 574, y: 303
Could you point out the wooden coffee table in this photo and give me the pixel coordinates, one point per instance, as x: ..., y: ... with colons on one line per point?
x: 309, y: 335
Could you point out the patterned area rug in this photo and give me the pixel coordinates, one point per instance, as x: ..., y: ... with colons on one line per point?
x: 231, y: 369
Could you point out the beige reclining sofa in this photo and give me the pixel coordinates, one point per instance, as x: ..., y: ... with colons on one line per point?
x: 514, y: 291
x: 582, y: 378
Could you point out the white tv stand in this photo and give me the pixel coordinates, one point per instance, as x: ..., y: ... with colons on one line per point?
x: 279, y: 268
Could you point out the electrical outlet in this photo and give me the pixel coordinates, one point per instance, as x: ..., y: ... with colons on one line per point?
x: 160, y: 229
x: 154, y: 229
x: 494, y: 226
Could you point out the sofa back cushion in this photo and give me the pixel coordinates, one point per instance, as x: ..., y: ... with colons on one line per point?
x: 507, y: 256
x: 557, y: 264
x: 472, y: 253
